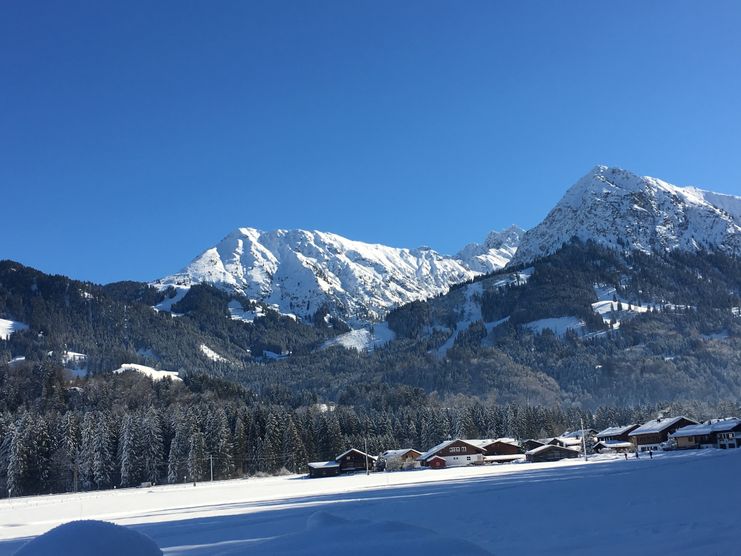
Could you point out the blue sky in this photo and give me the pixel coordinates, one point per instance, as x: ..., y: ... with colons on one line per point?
x: 135, y: 134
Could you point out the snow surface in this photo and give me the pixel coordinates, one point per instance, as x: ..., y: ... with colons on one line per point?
x: 237, y: 312
x: 559, y: 325
x: 363, y: 339
x: 300, y: 271
x: 154, y: 374
x: 167, y: 303
x: 211, y: 354
x: 608, y: 506
x: 8, y: 327
x: 623, y: 211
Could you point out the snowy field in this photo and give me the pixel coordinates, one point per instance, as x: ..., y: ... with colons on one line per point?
x: 677, y: 503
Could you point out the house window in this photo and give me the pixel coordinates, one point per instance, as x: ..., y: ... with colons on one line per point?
x: 463, y: 448
x: 468, y: 458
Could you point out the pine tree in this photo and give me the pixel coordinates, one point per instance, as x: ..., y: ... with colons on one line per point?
x: 153, y: 445
x: 292, y: 448
x: 131, y: 451
x: 240, y: 446
x: 272, y: 444
x: 102, y: 456
x: 197, y: 456
x: 177, y: 461
x: 18, y: 461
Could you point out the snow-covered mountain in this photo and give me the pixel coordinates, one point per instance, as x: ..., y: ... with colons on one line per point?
x: 616, y: 208
x: 301, y: 271
x: 496, y: 251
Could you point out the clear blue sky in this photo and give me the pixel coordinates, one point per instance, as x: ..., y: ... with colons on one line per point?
x: 135, y: 134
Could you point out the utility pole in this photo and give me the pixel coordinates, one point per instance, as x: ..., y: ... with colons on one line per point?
x: 583, y: 440
x: 211, y: 457
x: 365, y: 441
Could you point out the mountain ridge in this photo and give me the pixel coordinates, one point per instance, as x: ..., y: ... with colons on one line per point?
x: 302, y: 272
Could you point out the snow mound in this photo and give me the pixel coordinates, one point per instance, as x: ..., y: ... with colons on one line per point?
x: 8, y: 327
x: 154, y: 374
x: 90, y: 538
x: 362, y: 537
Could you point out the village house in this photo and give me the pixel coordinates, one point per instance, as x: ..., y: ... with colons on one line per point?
x: 354, y: 460
x: 500, y: 450
x: 615, y: 439
x: 717, y: 433
x: 531, y: 444
x: 454, y: 453
x: 564, y: 442
x: 324, y: 469
x: 651, y: 435
x: 550, y: 452
x: 405, y: 458
x: 347, y: 462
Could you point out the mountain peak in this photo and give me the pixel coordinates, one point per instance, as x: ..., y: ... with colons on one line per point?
x: 619, y: 209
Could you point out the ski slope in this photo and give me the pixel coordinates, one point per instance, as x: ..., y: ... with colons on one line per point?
x: 677, y: 503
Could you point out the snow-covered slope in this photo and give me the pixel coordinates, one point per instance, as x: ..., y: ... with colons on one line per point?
x: 607, y: 506
x: 152, y: 373
x: 621, y: 210
x: 300, y: 271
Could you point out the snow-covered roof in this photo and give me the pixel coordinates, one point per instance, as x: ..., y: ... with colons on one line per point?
x: 567, y: 441
x: 540, y: 449
x: 708, y: 427
x: 390, y: 454
x: 432, y: 451
x: 614, y: 444
x: 657, y: 425
x: 510, y: 457
x: 323, y: 464
x: 577, y: 434
x: 615, y: 431
x: 343, y: 454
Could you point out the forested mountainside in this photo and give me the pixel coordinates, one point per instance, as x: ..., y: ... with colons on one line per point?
x: 118, y: 323
x: 585, y: 326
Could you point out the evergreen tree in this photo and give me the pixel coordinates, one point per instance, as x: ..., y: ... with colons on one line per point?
x: 197, y: 456
x: 293, y: 448
x: 153, y: 445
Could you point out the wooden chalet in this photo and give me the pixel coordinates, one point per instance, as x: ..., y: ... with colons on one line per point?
x: 436, y: 462
x: 616, y: 434
x: 615, y: 439
x: 354, y: 460
x: 550, y: 452
x: 531, y: 444
x: 500, y: 450
x: 347, y: 462
x: 718, y: 433
x: 405, y: 458
x: 455, y: 453
x: 654, y: 433
x: 324, y: 469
